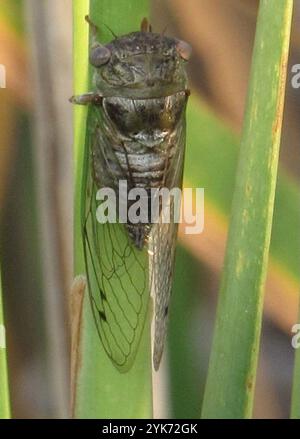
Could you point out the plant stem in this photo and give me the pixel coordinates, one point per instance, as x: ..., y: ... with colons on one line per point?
x: 233, y: 362
x: 4, y: 390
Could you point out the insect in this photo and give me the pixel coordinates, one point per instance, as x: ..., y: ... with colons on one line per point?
x: 135, y: 133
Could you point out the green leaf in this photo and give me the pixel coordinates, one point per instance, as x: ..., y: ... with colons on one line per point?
x: 4, y: 391
x: 232, y: 368
x: 211, y: 159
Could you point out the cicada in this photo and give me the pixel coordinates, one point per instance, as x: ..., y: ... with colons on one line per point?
x: 136, y: 134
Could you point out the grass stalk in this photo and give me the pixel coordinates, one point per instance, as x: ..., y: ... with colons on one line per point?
x: 4, y: 389
x: 233, y: 362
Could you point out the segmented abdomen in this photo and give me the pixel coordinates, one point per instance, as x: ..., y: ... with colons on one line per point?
x: 138, y: 148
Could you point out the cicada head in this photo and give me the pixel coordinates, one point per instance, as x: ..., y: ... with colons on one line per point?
x: 141, y: 64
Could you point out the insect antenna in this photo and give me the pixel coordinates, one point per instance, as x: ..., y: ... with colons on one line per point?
x: 110, y: 30
x: 93, y: 26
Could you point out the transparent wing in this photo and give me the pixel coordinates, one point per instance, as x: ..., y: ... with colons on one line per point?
x: 117, y: 271
x: 162, y: 252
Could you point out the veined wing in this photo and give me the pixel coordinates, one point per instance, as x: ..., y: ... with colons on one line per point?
x: 162, y: 252
x: 117, y: 271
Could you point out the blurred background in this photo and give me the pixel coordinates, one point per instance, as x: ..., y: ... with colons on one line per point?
x: 36, y: 203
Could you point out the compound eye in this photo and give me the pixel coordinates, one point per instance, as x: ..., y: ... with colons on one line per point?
x: 184, y: 50
x: 99, y: 56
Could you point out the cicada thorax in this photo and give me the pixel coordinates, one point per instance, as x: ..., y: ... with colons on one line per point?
x: 137, y: 141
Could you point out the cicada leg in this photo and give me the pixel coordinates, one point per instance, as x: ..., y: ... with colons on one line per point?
x: 93, y: 26
x: 86, y: 98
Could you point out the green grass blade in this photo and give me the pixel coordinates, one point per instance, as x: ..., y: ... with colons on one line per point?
x: 209, y: 166
x: 295, y: 406
x: 4, y: 391
x: 101, y: 391
x: 232, y: 369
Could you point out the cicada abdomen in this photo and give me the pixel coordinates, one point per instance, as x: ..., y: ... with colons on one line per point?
x: 136, y: 134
